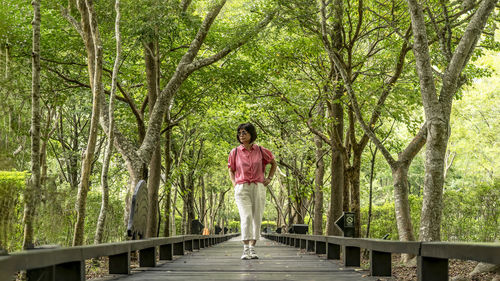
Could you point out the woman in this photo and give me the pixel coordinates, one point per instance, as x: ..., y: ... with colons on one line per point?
x: 247, y: 166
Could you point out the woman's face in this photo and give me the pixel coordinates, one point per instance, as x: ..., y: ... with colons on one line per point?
x: 244, y: 136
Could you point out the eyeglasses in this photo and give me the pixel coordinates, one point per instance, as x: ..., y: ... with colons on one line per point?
x: 242, y: 133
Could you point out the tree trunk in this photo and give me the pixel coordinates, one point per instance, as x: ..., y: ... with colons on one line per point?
x: 188, y: 190
x: 33, y: 190
x: 370, y: 195
x: 401, y: 203
x: 184, y: 218
x: 87, y: 9
x: 174, y: 204
x: 299, y: 203
x: 432, y: 204
x: 438, y: 107
x: 212, y: 211
x: 151, y: 62
x: 190, y: 216
x: 101, y: 221
x: 73, y: 156
x: 47, y: 134
x: 337, y: 168
x: 201, y: 217
x: 289, y: 197
x: 183, y: 193
x: 319, y: 174
x: 168, y: 185
x: 355, y: 191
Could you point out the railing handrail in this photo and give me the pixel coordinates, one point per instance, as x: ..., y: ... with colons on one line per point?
x: 32, y: 259
x: 476, y: 251
x: 432, y: 257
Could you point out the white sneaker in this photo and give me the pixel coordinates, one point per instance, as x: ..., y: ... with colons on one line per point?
x: 246, y: 254
x: 253, y: 254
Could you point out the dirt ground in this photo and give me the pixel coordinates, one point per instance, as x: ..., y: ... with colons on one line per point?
x: 455, y: 268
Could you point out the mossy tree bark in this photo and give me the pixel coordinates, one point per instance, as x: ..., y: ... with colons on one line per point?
x: 34, y: 185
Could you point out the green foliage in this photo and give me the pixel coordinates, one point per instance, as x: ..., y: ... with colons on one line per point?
x: 270, y: 224
x: 12, y: 185
x: 234, y: 225
x: 472, y: 213
x: 273, y: 81
x: 383, y: 221
x: 114, y: 227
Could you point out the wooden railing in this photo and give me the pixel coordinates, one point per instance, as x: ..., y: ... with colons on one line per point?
x: 68, y: 264
x: 432, y: 257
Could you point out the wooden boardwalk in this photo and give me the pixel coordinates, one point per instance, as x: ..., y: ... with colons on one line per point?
x: 222, y: 262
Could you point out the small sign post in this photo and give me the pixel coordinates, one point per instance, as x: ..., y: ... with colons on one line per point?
x: 346, y: 224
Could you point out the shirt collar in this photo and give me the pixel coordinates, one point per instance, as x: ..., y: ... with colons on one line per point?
x: 242, y: 147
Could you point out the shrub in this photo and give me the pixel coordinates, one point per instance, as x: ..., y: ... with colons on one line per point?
x: 12, y: 185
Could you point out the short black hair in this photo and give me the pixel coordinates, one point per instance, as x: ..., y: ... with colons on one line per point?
x: 249, y: 127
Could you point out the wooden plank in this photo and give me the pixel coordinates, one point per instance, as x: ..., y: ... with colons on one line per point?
x: 482, y: 252
x: 372, y: 244
x: 276, y: 262
x: 8, y: 267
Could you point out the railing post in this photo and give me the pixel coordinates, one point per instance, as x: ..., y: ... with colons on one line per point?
x: 41, y: 274
x: 70, y: 271
x: 320, y: 247
x: 179, y: 248
x: 333, y: 252
x: 303, y: 243
x: 196, y: 244
x: 310, y: 245
x: 380, y: 263
x: 166, y: 252
x: 297, y: 242
x: 119, y: 264
x: 188, y: 245
x: 147, y: 257
x: 432, y: 269
x: 351, y: 256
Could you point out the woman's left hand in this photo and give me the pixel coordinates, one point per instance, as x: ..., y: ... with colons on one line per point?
x: 267, y: 181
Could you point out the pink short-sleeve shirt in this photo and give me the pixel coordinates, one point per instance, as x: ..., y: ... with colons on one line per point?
x: 249, y: 165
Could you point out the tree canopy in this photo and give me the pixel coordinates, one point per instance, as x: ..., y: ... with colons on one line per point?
x: 382, y: 108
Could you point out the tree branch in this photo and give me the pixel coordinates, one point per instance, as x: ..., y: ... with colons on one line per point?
x: 464, y: 49
x: 224, y: 52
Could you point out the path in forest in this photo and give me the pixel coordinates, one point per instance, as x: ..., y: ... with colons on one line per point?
x: 222, y: 262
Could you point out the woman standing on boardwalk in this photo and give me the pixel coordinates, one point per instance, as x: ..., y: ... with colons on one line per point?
x: 247, y: 166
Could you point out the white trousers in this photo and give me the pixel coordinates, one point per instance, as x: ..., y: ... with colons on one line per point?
x: 251, y: 200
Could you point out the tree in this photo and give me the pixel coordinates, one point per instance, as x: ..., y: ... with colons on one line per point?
x: 400, y: 167
x: 93, y: 42
x: 33, y: 191
x: 135, y: 157
x: 109, y: 145
x: 437, y: 107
